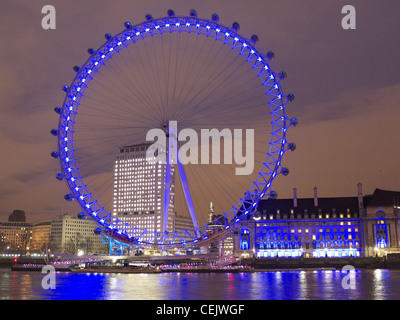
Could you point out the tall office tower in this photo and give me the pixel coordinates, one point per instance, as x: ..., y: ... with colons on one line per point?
x: 139, y: 184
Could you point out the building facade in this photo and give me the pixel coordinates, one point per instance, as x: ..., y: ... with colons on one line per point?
x: 322, y: 227
x: 71, y: 235
x: 15, y: 236
x: 139, y: 185
x: 41, y: 235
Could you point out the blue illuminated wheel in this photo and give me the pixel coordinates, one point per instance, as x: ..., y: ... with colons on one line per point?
x: 196, y: 71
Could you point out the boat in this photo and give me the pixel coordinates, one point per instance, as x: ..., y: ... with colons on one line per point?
x: 37, y: 267
x: 114, y: 270
x: 112, y: 267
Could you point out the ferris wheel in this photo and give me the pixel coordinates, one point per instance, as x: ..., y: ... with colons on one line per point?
x: 170, y: 73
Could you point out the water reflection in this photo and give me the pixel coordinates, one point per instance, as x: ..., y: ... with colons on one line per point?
x: 296, y: 285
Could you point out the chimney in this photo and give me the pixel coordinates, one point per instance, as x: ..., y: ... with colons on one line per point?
x: 294, y: 198
x: 315, y: 197
x: 360, y: 198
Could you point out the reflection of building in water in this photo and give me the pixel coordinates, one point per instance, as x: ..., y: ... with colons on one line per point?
x: 322, y: 227
x: 139, y: 184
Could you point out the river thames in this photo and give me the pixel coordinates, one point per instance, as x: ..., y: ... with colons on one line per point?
x: 283, y: 285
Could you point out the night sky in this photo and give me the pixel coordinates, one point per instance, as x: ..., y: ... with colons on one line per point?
x: 346, y: 84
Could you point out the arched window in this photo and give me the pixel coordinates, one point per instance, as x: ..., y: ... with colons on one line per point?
x: 244, y: 239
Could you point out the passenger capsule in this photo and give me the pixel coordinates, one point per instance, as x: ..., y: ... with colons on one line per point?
x: 91, y: 51
x: 254, y: 38
x: 236, y: 26
x: 107, y: 36
x: 54, y: 132
x: 282, y: 75
x: 97, y: 231
x: 65, y: 88
x: 55, y: 154
x: 270, y: 55
x: 149, y: 17
x: 292, y: 146
x: 193, y: 13
x: 57, y: 110
x: 127, y: 25
x: 215, y: 17
x: 69, y: 197
x: 294, y: 122
x: 81, y: 215
x: 285, y: 171
x: 290, y: 97
x: 273, y: 195
x: 171, y: 13
x: 60, y: 176
x: 76, y: 68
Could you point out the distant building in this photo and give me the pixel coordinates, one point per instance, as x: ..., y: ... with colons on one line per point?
x: 139, y: 185
x: 70, y: 235
x: 17, y: 216
x: 41, y: 235
x: 322, y: 227
x: 182, y: 223
x: 381, y: 223
x: 15, y: 236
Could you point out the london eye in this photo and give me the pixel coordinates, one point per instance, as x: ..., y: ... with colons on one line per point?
x: 172, y: 73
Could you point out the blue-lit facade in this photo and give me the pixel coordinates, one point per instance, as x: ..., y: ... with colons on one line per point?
x: 322, y: 227
x: 322, y: 237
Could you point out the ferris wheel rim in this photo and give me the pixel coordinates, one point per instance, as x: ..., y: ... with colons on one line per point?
x: 74, y: 92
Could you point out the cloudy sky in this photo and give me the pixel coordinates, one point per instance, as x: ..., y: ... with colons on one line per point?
x: 346, y: 83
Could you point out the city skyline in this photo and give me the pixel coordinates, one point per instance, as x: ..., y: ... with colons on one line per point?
x: 345, y: 83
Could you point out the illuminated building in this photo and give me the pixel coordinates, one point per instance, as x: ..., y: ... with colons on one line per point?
x: 41, y: 235
x: 381, y: 223
x: 15, y: 236
x: 139, y: 184
x: 70, y: 235
x: 322, y: 227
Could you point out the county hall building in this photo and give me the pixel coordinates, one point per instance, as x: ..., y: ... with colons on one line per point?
x: 361, y: 226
